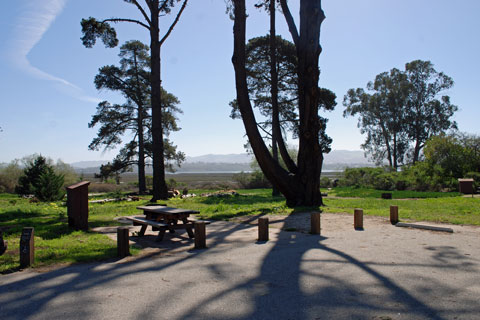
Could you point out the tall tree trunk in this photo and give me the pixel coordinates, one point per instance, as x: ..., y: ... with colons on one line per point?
x: 302, y: 188
x: 159, y: 186
x: 142, y: 185
x: 310, y: 157
x: 395, y: 152
x: 274, y: 88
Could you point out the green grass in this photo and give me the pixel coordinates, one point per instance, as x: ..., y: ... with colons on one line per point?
x: 56, y: 243
x: 352, y: 192
x: 455, y: 210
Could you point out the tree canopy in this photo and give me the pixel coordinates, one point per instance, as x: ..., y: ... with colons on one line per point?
x: 300, y: 183
x: 131, y: 79
x: 403, y: 110
x: 93, y: 29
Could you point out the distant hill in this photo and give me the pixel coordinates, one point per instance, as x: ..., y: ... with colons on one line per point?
x: 336, y: 159
x: 222, y: 158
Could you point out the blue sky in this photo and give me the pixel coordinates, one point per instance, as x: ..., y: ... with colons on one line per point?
x: 48, y: 95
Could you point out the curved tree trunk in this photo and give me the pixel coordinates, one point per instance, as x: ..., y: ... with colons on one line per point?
x: 303, y: 187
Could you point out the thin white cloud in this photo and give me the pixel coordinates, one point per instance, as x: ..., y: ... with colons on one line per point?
x: 34, y: 21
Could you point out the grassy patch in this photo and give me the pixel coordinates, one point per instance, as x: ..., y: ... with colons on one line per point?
x: 352, y: 192
x: 456, y: 210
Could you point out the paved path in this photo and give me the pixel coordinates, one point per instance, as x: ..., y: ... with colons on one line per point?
x: 383, y: 272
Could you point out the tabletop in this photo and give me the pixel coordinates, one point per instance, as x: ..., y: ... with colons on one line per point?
x: 166, y: 210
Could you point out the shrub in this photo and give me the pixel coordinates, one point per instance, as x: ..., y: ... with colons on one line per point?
x: 39, y: 179
x: 254, y: 180
x: 325, y: 182
x: 9, y: 176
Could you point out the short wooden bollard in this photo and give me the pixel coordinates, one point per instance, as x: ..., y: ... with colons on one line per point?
x: 123, y: 242
x: 315, y: 223
x: 27, y: 247
x: 263, y: 229
x: 3, y: 244
x: 358, y: 219
x: 200, y: 235
x: 393, y: 214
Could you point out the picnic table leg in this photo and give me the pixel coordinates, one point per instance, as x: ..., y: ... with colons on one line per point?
x: 161, y: 233
x: 142, y: 230
x: 188, y: 228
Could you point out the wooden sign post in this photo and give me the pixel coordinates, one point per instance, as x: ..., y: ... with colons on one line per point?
x: 27, y: 247
x: 77, y: 205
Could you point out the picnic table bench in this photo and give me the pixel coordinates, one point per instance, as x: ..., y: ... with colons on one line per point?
x: 163, y: 218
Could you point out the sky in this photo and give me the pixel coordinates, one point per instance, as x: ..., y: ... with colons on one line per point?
x: 48, y: 96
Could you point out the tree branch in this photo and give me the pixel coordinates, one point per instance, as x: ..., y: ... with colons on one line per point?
x: 135, y: 2
x: 174, y: 22
x: 290, y: 22
x: 116, y: 20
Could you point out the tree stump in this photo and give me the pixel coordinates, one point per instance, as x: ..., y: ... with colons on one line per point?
x: 315, y: 223
x: 358, y: 219
x: 123, y: 242
x: 263, y: 229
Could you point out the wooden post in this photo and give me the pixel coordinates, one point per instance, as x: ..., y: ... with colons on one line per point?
x: 263, y: 229
x: 27, y: 247
x: 77, y: 205
x: 200, y: 235
x: 358, y: 219
x: 3, y: 244
x: 123, y: 242
x: 315, y: 223
x: 394, y: 214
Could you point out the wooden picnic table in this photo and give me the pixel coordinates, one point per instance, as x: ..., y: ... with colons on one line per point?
x: 162, y: 218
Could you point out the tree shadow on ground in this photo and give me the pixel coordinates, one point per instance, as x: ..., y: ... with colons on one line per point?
x: 299, y: 278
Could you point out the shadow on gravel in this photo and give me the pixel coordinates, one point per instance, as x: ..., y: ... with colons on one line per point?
x: 280, y: 291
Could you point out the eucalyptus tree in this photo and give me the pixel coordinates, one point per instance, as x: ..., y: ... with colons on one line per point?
x: 93, y: 29
x: 132, y: 79
x: 300, y: 184
x: 382, y: 116
x: 404, y: 108
x: 429, y: 108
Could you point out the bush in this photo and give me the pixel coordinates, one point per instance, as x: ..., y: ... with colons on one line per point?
x: 254, y: 180
x: 9, y: 176
x: 39, y: 179
x: 325, y: 182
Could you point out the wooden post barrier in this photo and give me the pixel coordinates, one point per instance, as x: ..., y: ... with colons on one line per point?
x: 263, y: 229
x: 123, y: 242
x: 393, y: 215
x: 315, y: 223
x: 27, y: 247
x: 200, y: 235
x: 358, y: 219
x: 3, y: 244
